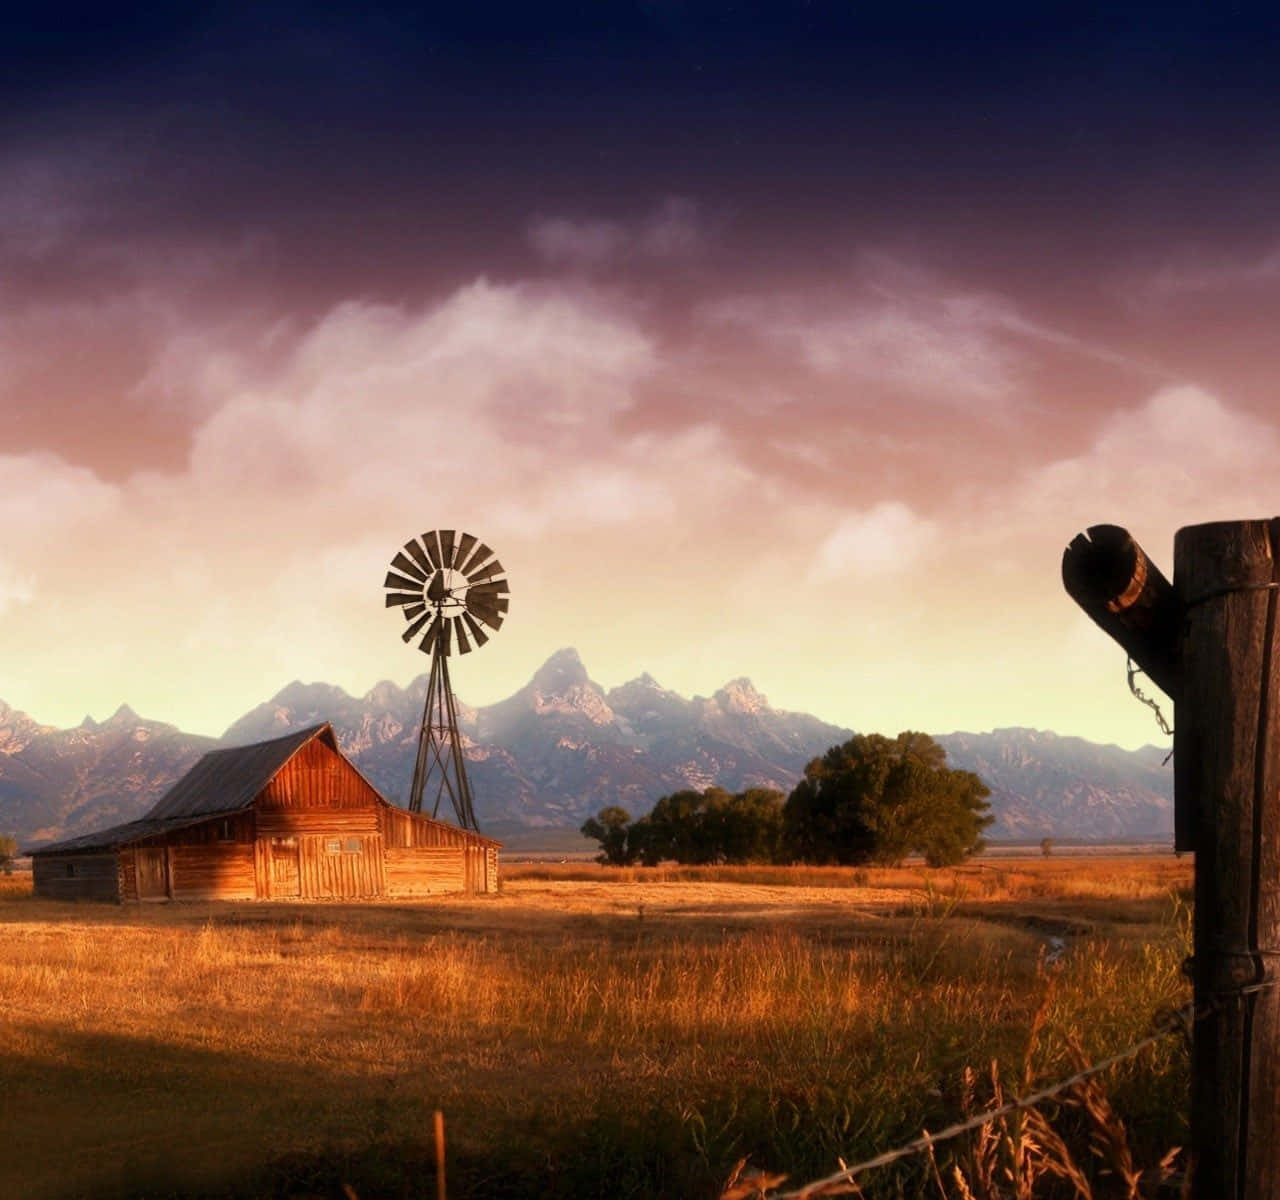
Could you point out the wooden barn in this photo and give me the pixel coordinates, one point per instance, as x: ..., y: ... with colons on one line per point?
x: 288, y: 819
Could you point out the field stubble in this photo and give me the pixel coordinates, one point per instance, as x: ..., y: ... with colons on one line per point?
x: 587, y: 1032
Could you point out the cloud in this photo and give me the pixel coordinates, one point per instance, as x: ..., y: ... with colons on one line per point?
x: 895, y: 327
x: 886, y: 539
x: 1182, y: 457
x: 1192, y: 275
x: 675, y: 231
x: 43, y: 498
x: 946, y: 354
x: 15, y: 588
x: 52, y: 514
x: 578, y: 243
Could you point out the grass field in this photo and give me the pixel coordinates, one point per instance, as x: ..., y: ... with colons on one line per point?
x: 588, y: 1032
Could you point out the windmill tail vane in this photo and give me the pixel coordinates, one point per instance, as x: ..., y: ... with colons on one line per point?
x: 452, y: 590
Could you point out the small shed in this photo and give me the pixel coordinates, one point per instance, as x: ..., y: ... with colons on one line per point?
x: 287, y: 819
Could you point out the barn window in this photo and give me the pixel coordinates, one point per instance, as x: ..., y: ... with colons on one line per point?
x: 333, y: 846
x: 353, y: 846
x: 71, y: 869
x: 224, y: 830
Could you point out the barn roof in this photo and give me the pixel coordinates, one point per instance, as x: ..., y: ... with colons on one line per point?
x: 225, y: 781
x: 116, y: 835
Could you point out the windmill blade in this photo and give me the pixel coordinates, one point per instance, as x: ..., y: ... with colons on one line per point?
x: 464, y: 646
x: 419, y: 556
x: 414, y: 626
x: 413, y: 610
x: 478, y: 635
x: 481, y: 555
x: 493, y: 587
x: 486, y: 615
x: 491, y: 618
x: 399, y: 581
x: 446, y: 636
x: 394, y: 598
x: 480, y: 600
x: 494, y: 568
x: 463, y: 548
x: 446, y: 547
x: 432, y: 542
x: 429, y: 638
x: 408, y: 567
x: 488, y: 612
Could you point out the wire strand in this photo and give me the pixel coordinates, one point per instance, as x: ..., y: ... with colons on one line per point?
x: 1179, y: 1021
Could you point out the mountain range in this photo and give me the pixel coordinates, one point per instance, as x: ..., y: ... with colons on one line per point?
x: 560, y: 749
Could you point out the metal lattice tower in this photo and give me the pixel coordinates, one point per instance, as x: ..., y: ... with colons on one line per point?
x: 450, y: 589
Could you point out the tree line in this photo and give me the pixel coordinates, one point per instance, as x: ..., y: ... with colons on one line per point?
x: 871, y: 799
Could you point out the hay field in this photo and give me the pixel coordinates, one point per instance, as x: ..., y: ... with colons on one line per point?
x: 586, y: 1032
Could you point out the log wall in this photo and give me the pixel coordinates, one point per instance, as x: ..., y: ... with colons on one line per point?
x: 216, y: 871
x: 75, y: 876
x: 424, y: 870
x: 426, y: 856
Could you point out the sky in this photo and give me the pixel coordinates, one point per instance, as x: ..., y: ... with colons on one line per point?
x: 790, y: 340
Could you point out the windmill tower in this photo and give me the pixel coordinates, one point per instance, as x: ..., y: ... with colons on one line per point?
x: 450, y: 589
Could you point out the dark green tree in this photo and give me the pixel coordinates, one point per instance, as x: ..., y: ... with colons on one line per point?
x: 873, y: 799
x: 745, y: 827
x: 677, y: 830
x: 610, y: 827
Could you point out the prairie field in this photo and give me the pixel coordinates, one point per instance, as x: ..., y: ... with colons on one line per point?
x: 624, y: 1032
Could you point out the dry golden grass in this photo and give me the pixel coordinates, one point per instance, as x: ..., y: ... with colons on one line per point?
x: 597, y: 1036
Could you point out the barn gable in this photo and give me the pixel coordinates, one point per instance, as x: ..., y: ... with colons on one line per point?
x: 283, y: 819
x: 227, y: 780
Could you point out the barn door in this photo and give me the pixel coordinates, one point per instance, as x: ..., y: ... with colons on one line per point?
x: 286, y: 879
x: 153, y: 883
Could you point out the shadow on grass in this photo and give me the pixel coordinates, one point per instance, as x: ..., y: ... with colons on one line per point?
x: 104, y: 1117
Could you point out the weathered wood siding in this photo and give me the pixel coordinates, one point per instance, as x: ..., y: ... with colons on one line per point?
x: 317, y: 777
x: 218, y: 871
x: 126, y: 874
x: 75, y: 876
x: 318, y: 832
x: 426, y: 856
x: 424, y: 870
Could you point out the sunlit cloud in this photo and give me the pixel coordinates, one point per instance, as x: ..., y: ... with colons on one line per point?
x: 1183, y: 456
x: 886, y: 539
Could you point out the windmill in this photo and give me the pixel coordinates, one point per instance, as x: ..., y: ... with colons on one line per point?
x: 451, y: 590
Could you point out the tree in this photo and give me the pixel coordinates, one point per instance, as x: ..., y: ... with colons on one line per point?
x: 8, y: 852
x: 1046, y: 846
x: 610, y: 827
x: 876, y: 800
x: 677, y: 830
x: 745, y: 827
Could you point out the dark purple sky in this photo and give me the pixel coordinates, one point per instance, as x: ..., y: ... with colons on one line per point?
x: 786, y: 314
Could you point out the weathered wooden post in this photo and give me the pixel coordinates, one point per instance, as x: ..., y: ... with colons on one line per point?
x: 1215, y: 643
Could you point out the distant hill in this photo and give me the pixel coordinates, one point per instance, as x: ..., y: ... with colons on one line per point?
x: 561, y: 748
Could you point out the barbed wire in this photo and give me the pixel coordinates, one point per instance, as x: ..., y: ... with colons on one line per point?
x: 1133, y: 670
x: 1166, y: 1024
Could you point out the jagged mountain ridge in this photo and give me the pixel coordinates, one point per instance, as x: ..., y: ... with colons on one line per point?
x: 562, y: 747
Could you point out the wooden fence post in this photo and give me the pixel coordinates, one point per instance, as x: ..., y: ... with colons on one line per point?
x: 1227, y: 767
x: 1209, y: 640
